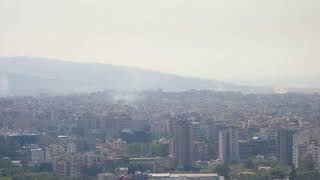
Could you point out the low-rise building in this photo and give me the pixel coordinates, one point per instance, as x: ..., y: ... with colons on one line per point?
x: 172, y: 176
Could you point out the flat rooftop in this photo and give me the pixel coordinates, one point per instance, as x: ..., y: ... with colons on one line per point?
x: 183, y: 175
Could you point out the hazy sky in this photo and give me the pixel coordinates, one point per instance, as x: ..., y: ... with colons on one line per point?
x: 222, y: 39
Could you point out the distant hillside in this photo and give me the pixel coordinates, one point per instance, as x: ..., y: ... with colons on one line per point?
x: 39, y: 75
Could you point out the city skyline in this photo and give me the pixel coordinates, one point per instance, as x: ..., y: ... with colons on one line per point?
x: 159, y: 90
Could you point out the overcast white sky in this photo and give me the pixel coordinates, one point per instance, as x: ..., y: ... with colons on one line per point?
x: 237, y: 40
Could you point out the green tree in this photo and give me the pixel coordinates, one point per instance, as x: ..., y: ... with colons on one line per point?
x: 158, y: 149
x: 307, y: 174
x: 278, y: 172
x: 249, y: 164
x: 35, y: 176
x: 293, y: 174
x: 223, y: 170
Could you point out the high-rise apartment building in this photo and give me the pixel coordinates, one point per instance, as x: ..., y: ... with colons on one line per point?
x: 228, y: 145
x: 212, y: 136
x: 285, y: 146
x: 182, y: 143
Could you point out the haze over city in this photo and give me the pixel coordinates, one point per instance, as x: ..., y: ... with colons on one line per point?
x: 250, y: 42
x: 159, y: 90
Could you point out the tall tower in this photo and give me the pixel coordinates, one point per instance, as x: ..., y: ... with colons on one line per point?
x: 182, y: 143
x: 285, y: 146
x: 213, y: 139
x: 229, y: 145
x: 4, y: 85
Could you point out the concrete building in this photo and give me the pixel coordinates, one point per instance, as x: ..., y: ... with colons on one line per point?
x: 169, y: 176
x: 212, y: 135
x: 67, y: 165
x: 228, y: 145
x: 285, y: 146
x: 140, y: 122
x: 37, y: 156
x: 124, y: 121
x: 53, y: 151
x: 198, y: 133
x: 106, y: 176
x: 200, y: 151
x: 182, y: 143
x: 245, y: 150
x: 164, y: 163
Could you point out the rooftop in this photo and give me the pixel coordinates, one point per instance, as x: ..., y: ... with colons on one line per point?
x: 183, y: 175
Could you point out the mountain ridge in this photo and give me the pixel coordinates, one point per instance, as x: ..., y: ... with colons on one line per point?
x: 28, y: 75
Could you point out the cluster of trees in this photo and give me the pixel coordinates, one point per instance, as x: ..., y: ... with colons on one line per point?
x: 36, y: 176
x: 274, y: 174
x: 223, y: 170
x: 152, y: 149
x: 9, y: 171
x: 276, y: 171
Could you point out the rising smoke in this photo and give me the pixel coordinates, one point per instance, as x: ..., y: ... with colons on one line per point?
x: 4, y: 85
